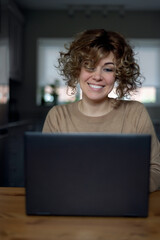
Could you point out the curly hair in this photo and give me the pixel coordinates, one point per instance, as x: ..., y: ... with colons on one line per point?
x: 92, y: 45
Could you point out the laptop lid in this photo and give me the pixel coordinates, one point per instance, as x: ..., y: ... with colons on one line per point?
x: 87, y: 174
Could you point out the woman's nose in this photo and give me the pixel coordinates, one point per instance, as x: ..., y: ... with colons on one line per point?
x: 97, y: 75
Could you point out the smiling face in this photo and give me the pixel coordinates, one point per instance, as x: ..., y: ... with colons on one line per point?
x: 96, y: 83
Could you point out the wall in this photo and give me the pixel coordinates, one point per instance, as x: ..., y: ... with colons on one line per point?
x: 59, y: 24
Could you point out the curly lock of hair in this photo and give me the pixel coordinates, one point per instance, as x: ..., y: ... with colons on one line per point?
x: 89, y: 47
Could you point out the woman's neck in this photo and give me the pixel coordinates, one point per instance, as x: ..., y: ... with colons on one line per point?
x: 95, y: 109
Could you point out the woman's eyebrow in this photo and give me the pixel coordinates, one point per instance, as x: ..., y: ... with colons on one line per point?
x: 107, y: 63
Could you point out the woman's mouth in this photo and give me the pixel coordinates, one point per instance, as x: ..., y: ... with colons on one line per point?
x: 95, y: 86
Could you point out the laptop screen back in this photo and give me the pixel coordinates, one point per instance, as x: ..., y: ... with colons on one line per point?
x: 87, y: 174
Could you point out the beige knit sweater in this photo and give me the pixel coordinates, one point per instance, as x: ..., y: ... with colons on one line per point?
x: 129, y: 117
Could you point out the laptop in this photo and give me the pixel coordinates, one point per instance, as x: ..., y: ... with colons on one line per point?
x: 87, y: 174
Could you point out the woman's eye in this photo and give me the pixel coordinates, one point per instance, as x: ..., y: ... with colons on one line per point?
x: 108, y: 69
x: 90, y: 69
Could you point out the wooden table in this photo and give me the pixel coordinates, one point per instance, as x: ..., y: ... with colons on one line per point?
x: 16, y: 225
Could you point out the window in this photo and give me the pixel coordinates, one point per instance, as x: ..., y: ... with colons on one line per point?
x: 51, y: 88
x: 148, y: 56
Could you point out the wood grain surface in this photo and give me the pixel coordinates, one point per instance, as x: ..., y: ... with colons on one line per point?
x: 16, y: 225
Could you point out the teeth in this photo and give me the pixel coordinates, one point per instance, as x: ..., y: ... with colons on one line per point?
x: 95, y: 86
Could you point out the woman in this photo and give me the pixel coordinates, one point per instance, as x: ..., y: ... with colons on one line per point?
x: 98, y: 61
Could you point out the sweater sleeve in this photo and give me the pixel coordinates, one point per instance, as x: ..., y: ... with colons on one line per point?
x: 50, y: 123
x: 145, y: 125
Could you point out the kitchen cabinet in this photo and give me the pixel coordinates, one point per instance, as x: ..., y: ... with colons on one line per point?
x: 11, y: 30
x: 3, y: 155
x: 16, y: 23
x: 12, y: 153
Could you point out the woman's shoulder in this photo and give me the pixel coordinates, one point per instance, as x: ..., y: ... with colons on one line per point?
x: 132, y: 104
x: 131, y: 107
x: 135, y: 112
x: 126, y: 103
x: 62, y: 107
